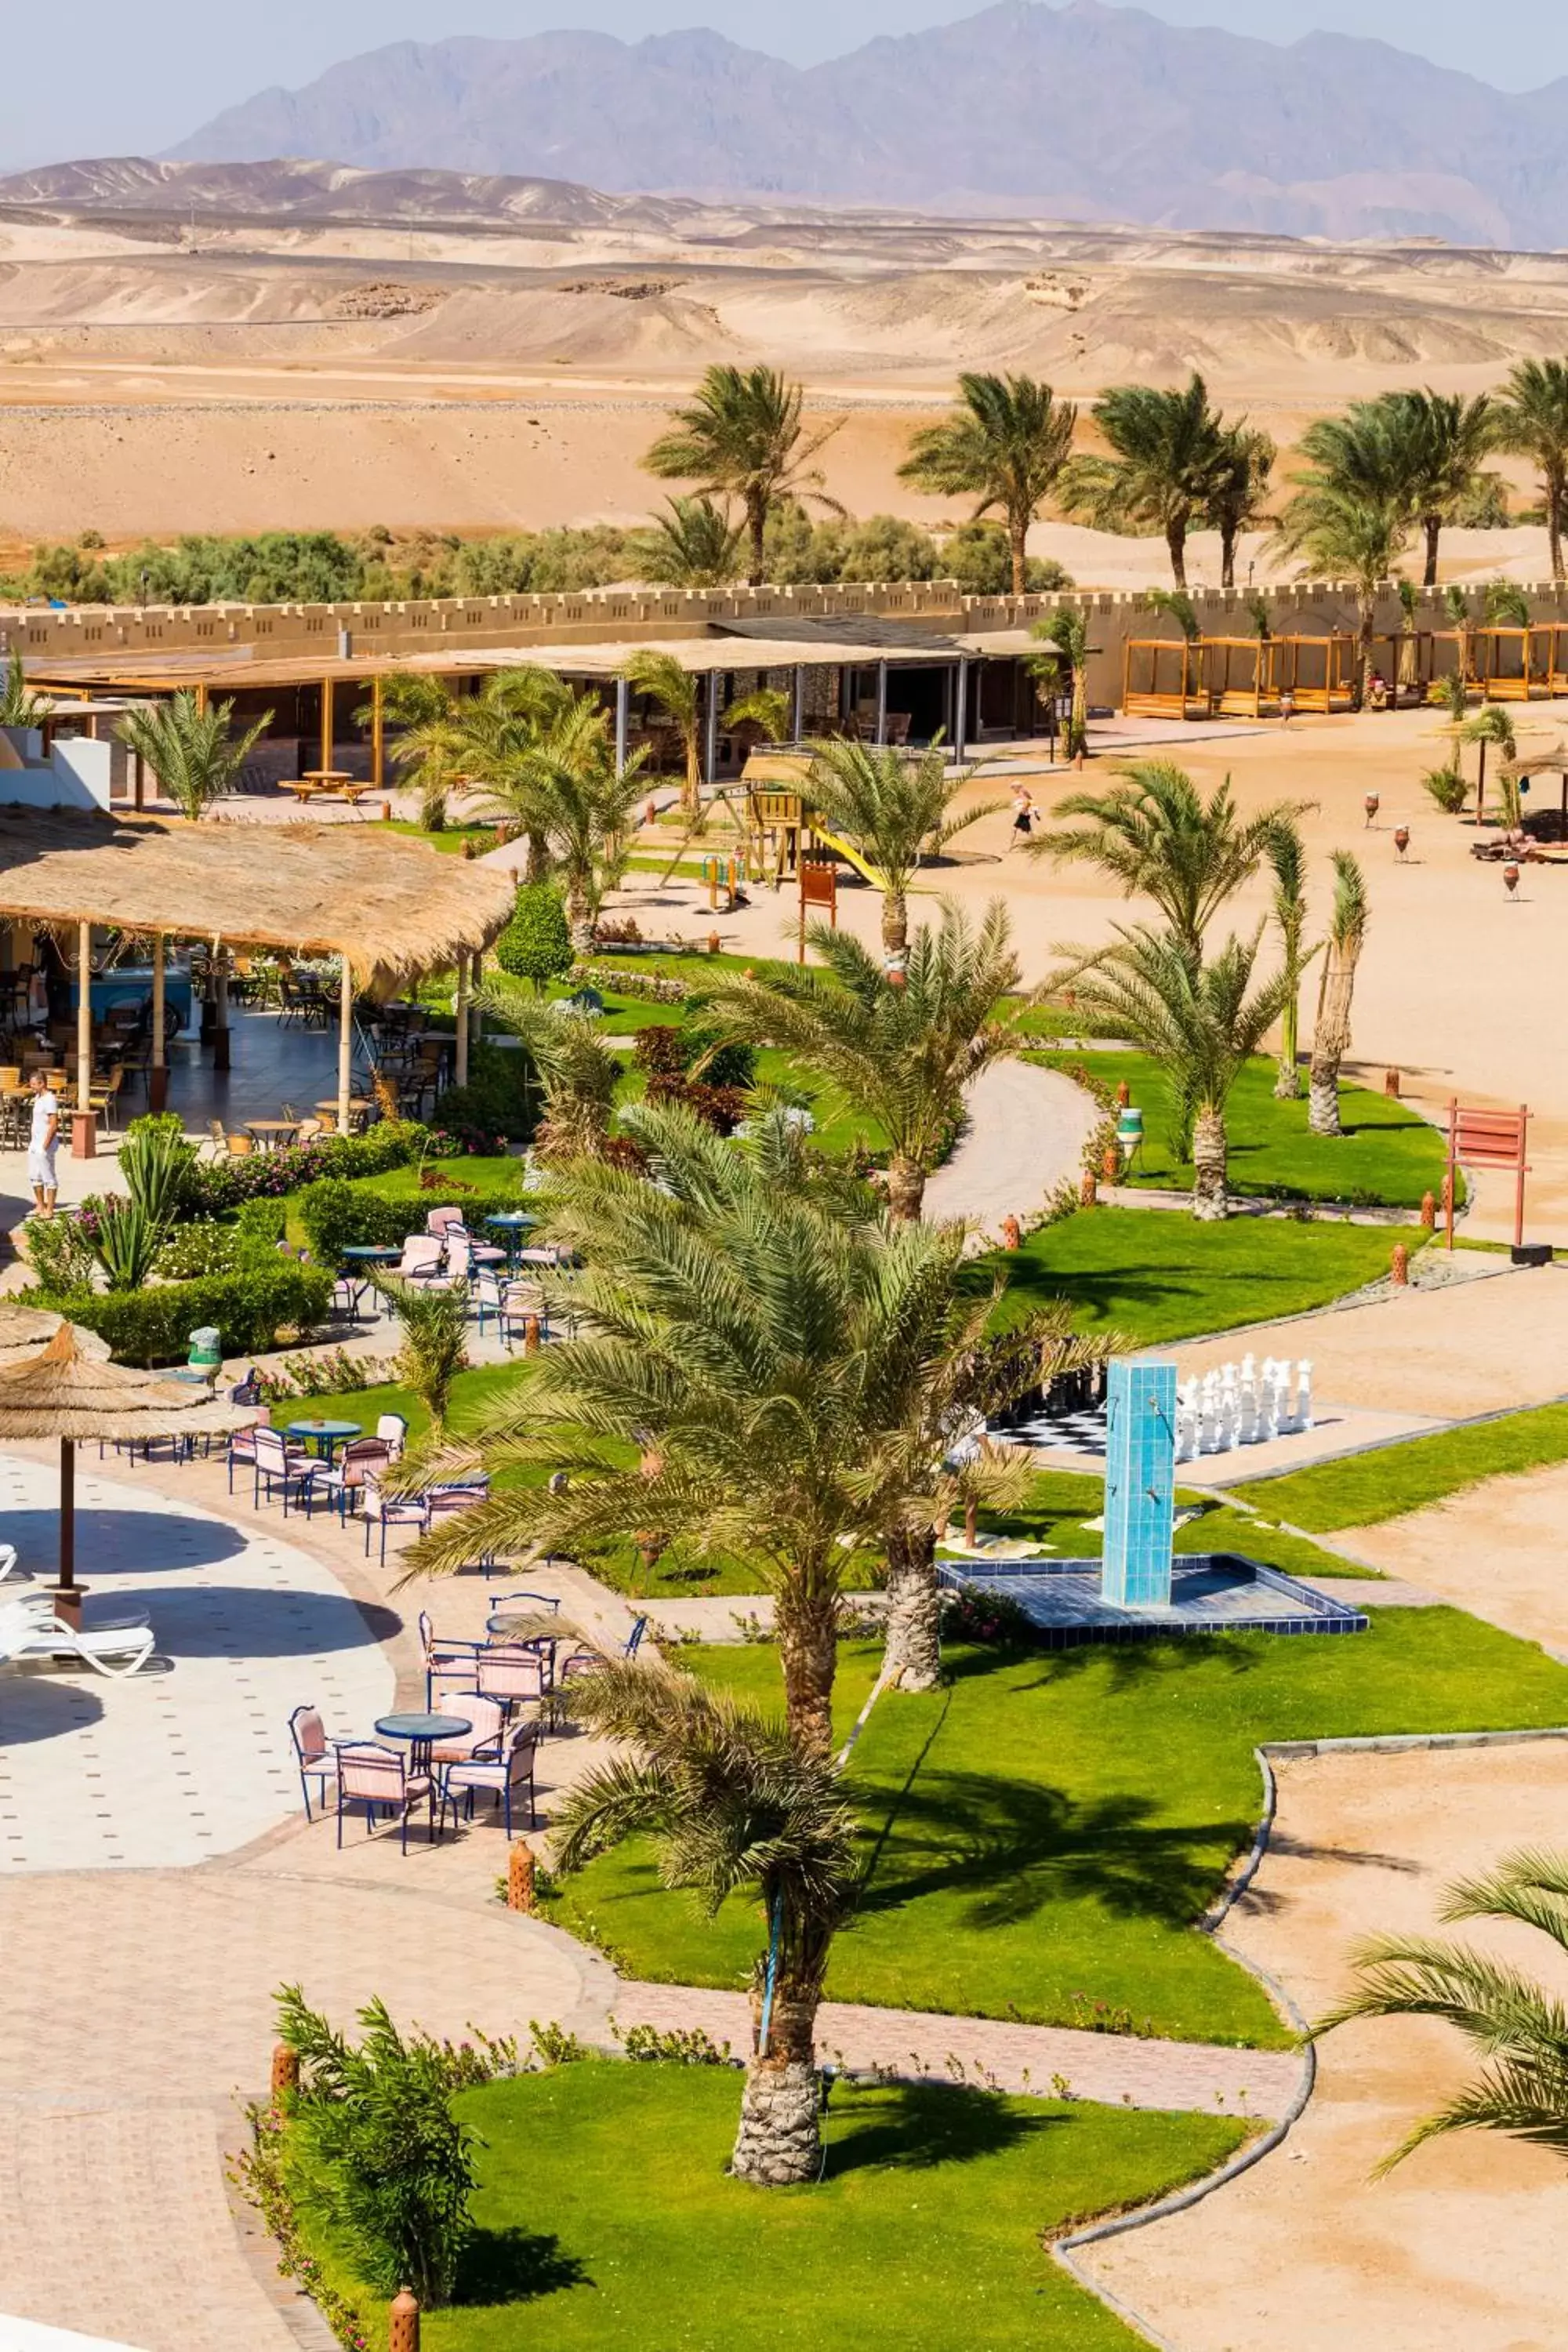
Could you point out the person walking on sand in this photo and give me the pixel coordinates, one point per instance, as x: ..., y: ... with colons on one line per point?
x: 1023, y: 816
x: 42, y: 1145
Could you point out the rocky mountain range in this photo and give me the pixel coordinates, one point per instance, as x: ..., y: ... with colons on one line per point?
x: 1078, y: 112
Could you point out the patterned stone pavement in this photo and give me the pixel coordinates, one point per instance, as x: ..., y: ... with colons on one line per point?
x: 138, y: 2006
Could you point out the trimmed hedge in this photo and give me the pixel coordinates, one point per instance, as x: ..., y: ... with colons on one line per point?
x: 213, y: 1188
x: 154, y: 1326
x: 337, y: 1215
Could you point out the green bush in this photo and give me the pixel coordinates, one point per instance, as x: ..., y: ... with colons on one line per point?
x: 213, y: 1188
x: 192, y: 1252
x: 61, y: 1252
x: 262, y: 1222
x: 1448, y: 788
x: 536, y: 944
x: 250, y: 1310
x: 378, y: 2157
x: 497, y: 1104
x: 337, y: 1216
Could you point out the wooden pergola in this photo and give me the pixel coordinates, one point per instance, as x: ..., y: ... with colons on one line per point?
x: 1163, y: 677
x: 389, y: 907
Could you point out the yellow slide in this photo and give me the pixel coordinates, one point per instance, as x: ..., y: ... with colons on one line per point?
x: 842, y: 849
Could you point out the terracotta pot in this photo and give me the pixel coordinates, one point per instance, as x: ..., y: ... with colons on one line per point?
x: 1401, y: 1265
x: 1428, y: 1210
x: 1124, y: 1094
x: 1110, y: 1164
x: 1511, y: 879
x: 1373, y: 802
x: 1401, y: 838
x: 1012, y: 1233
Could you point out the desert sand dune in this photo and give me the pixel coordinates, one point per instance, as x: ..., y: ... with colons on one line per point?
x: 312, y: 347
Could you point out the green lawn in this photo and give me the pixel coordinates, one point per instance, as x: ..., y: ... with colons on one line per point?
x: 452, y: 838
x: 1388, y: 1154
x: 498, y: 1182
x: 1051, y: 1825
x: 607, y: 2218
x: 1157, y: 1275
x: 1394, y: 1479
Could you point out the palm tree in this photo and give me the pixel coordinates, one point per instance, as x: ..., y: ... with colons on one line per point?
x: 1409, y: 604
x: 1154, y: 834
x: 1239, y: 497
x: 754, y: 1350
x: 903, y: 1047
x: 428, y: 750
x: 194, y: 753
x: 1456, y: 606
x: 1004, y: 446
x: 19, y: 707
x: 1197, y: 1020
x: 1517, y: 2026
x: 935, y: 1458
x: 1066, y: 634
x: 1345, y: 535
x: 578, y: 1070
x: 561, y: 782
x: 435, y: 1325
x: 1168, y: 465
x: 693, y: 544
x: 1490, y: 724
x: 896, y: 812
x: 1331, y: 1032
x: 491, y: 740
x: 1532, y: 419
x: 1442, y: 440
x: 1289, y: 860
x: 679, y: 693
x: 744, y: 437
x: 735, y: 1806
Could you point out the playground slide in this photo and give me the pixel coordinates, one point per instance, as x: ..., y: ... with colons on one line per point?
x: 842, y: 849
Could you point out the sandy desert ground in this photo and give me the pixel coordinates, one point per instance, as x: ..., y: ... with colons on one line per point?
x: 260, y: 368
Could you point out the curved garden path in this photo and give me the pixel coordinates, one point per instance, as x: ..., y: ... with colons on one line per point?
x: 1024, y: 1136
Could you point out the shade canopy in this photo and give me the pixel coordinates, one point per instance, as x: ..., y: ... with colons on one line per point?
x: 385, y: 902
x: 66, y: 1392
x: 25, y: 1329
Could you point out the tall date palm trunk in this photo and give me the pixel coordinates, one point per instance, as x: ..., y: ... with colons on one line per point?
x: 808, y: 1624
x: 779, y: 2142
x: 913, y: 1659
x: 1210, y: 1203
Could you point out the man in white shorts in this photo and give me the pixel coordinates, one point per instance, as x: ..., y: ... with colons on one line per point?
x: 42, y: 1145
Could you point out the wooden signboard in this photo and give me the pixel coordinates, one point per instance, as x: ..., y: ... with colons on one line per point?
x: 1487, y: 1138
x: 818, y: 888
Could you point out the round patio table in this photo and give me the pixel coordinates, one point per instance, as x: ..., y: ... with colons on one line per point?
x: 365, y: 1254
x: 422, y: 1732
x: 511, y: 1224
x: 269, y: 1133
x: 328, y: 1435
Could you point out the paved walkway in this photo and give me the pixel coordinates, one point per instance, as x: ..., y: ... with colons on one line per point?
x: 1118, y: 2069
x: 1025, y: 1136
x: 173, y: 1767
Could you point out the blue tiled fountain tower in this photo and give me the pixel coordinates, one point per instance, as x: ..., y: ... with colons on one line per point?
x: 1140, y: 1485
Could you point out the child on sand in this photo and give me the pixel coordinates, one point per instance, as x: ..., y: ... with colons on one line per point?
x: 1023, y: 816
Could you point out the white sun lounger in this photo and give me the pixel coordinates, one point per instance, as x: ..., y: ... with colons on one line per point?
x: 118, y: 1647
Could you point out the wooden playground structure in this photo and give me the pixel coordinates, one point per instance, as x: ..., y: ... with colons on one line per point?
x: 780, y: 835
x: 1236, y: 678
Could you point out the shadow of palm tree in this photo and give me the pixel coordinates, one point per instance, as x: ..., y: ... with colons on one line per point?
x: 914, y: 2127
x: 514, y: 2265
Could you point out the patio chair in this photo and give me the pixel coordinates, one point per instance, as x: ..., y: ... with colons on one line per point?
x: 383, y: 1511
x: 483, y: 1736
x: 371, y: 1775
x: 530, y: 1600
x: 344, y: 1481
x: 523, y: 1303
x: 279, y: 1463
x: 506, y: 1778
x: 314, y: 1757
x: 241, y: 1450
x: 421, y: 1260
x: 568, y: 1670
x: 488, y: 1300
x: 442, y: 1222
x: 445, y: 1660
x: 393, y: 1429
x: 512, y: 1674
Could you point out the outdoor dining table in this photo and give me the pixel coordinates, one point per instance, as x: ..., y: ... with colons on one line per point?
x: 366, y: 1254
x: 328, y: 1435
x: 271, y: 1133
x: 359, y: 1111
x: 422, y: 1732
x: 511, y: 1224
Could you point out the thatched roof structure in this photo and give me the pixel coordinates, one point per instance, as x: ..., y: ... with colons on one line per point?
x: 66, y: 1392
x: 388, y: 903
x: 25, y: 1329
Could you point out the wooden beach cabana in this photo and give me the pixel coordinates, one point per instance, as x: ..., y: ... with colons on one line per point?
x: 1512, y: 664
x: 1318, y: 673
x: 1242, y: 674
x: 1163, y: 677
x: 390, y: 907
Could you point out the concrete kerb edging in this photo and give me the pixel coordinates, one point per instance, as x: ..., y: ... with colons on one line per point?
x: 1182, y: 2200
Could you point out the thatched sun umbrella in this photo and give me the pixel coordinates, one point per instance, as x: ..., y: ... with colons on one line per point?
x: 25, y: 1329
x: 67, y: 1393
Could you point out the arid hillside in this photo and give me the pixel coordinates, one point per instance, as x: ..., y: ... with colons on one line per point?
x: 253, y: 346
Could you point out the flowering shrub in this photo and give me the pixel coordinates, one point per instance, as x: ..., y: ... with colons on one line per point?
x: 970, y: 1615
x: 652, y: 987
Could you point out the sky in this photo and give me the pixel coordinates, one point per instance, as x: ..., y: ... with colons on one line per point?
x: 102, y: 78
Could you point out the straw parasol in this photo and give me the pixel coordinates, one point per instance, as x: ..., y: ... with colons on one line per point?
x: 25, y: 1329
x: 66, y: 1392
